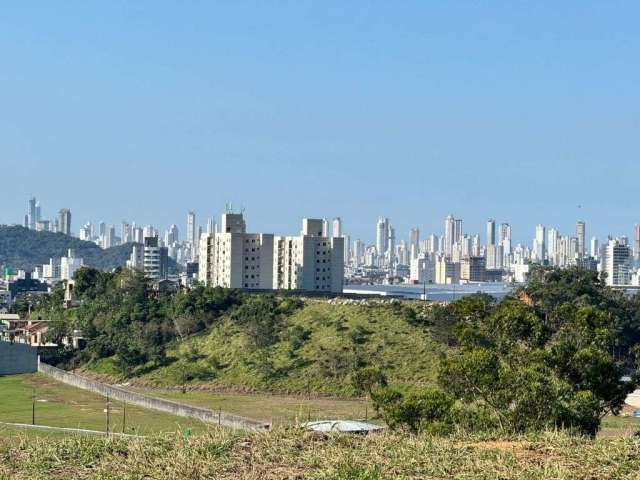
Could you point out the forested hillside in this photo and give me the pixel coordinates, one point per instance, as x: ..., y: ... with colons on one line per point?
x: 21, y: 248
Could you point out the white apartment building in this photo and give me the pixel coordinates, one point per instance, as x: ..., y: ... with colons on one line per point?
x: 69, y: 265
x: 311, y: 261
x: 241, y: 259
x: 206, y: 258
x: 150, y: 258
x: 616, y: 262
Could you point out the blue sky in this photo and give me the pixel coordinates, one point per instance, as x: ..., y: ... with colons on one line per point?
x: 521, y: 111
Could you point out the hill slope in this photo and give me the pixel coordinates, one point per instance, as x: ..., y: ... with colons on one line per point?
x: 21, y: 248
x: 318, y: 347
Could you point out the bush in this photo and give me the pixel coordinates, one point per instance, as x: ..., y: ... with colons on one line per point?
x: 425, y: 410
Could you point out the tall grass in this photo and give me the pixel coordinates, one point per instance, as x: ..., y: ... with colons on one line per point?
x: 291, y: 453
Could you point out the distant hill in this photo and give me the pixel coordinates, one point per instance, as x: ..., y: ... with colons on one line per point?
x: 21, y: 248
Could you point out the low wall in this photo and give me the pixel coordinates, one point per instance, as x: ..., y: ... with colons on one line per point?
x: 17, y: 358
x: 174, y: 408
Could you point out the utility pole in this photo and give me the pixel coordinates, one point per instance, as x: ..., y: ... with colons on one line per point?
x: 124, y: 416
x: 108, y: 412
x: 33, y: 407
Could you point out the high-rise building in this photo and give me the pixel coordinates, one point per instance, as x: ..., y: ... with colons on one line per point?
x: 475, y: 246
x: 594, y: 249
x: 191, y: 229
x: 539, y: 246
x: 32, y: 213
x: 64, y: 221
x: 137, y: 234
x: 69, y: 265
x: 449, y: 235
x: 336, y: 227
x: 473, y: 269
x: 155, y: 259
x: 552, y: 247
x: 211, y: 225
x: 125, y: 232
x: 206, y: 258
x: 457, y: 230
x: 491, y: 232
x: 616, y: 262
x: 171, y: 235
x: 382, y: 228
x: 240, y: 259
x: 580, y: 235
x: 636, y: 242
x: 505, y: 242
x: 311, y: 261
x: 391, y: 244
x: 414, y: 242
x: 358, y: 253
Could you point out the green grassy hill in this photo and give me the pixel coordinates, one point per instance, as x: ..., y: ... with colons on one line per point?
x: 317, y: 349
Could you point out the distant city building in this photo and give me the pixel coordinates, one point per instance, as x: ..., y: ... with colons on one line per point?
x: 491, y: 232
x: 382, y: 236
x: 473, y: 269
x: 69, y: 265
x: 580, y: 235
x: 155, y: 259
x: 64, y: 221
x: 616, y: 263
x: 336, y: 227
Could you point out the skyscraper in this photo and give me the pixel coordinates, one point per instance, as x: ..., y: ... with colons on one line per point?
x: 491, y: 232
x: 449, y: 234
x: 64, y: 221
x: 539, y: 246
x: 32, y: 213
x: 382, y: 228
x: 636, y: 242
x: 580, y: 234
x: 593, y: 251
x: 125, y: 232
x: 414, y: 242
x: 457, y: 230
x: 211, y: 225
x: 171, y: 236
x: 616, y: 262
x: 191, y: 228
x: 336, y: 227
x: 552, y: 247
x: 391, y: 242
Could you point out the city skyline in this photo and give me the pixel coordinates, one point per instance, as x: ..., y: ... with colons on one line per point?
x: 472, y: 226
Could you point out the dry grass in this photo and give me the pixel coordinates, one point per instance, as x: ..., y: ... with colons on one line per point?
x: 293, y: 454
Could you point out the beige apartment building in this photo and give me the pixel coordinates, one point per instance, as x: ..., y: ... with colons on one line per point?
x: 233, y: 258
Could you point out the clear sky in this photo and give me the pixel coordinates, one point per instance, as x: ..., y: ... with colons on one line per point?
x: 521, y: 111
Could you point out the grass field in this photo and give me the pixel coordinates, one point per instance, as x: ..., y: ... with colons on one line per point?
x: 293, y: 454
x: 276, y: 409
x: 59, y: 405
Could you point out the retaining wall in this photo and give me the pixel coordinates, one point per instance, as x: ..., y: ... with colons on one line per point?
x: 174, y: 408
x: 17, y: 358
